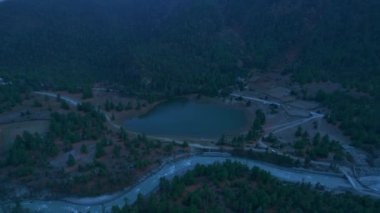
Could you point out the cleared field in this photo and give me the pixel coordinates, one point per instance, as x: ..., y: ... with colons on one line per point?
x: 9, y: 132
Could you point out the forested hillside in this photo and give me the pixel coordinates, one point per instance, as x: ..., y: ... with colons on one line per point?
x: 151, y: 39
x: 163, y: 48
x: 232, y: 187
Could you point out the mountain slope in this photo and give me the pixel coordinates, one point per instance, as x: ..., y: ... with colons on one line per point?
x: 161, y: 48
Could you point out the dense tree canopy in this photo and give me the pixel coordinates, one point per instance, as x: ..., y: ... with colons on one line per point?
x: 232, y: 187
x: 160, y: 48
x: 179, y: 46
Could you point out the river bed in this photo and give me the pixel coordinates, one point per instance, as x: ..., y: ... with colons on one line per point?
x: 151, y: 183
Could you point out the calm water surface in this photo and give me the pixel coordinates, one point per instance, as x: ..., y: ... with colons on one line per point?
x: 191, y: 120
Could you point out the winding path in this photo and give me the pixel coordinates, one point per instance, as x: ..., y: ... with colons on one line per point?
x: 74, y: 102
x: 266, y: 102
x: 292, y: 124
x: 68, y: 100
x: 285, y: 126
x: 356, y: 184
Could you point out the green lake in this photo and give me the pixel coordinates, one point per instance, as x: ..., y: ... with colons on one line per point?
x: 190, y: 119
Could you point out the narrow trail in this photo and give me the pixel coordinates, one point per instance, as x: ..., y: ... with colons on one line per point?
x: 285, y: 126
x: 68, y: 100
x: 356, y: 184
x: 75, y: 103
x: 266, y: 102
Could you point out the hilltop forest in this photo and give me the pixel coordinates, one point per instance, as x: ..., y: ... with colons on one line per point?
x: 161, y: 48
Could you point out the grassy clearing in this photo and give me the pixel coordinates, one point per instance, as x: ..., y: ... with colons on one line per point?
x: 9, y: 132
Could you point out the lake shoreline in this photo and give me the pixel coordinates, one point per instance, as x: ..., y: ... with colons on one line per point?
x: 248, y: 116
